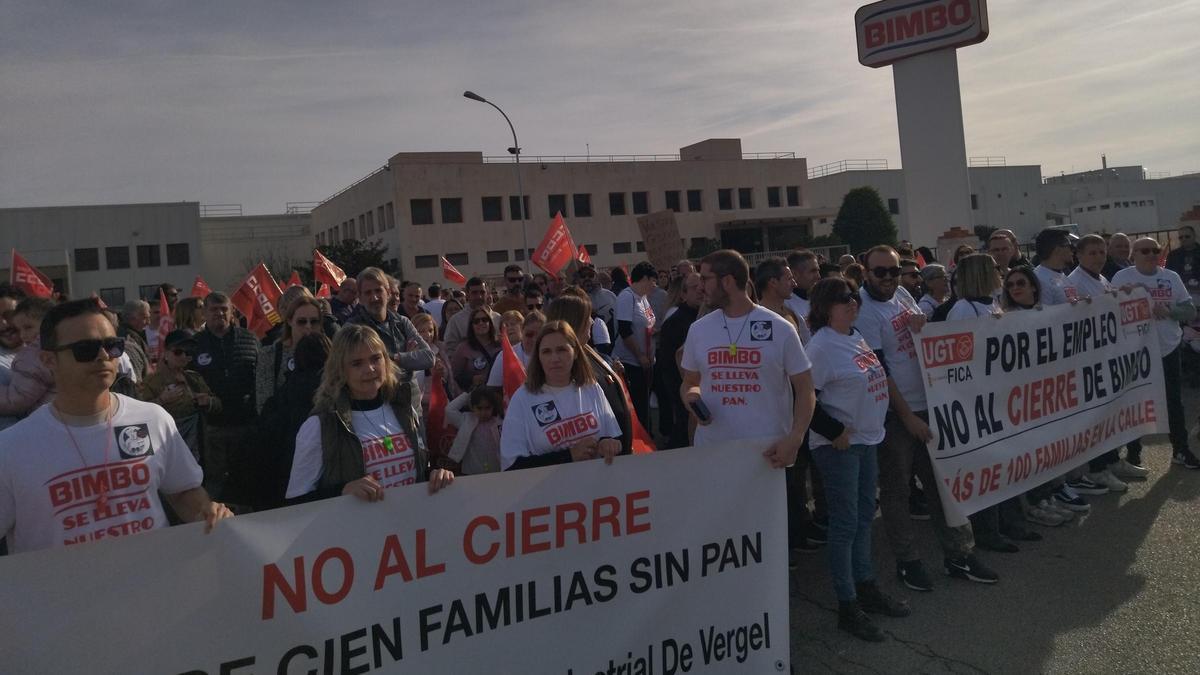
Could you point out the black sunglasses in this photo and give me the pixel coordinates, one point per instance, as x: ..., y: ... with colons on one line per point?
x: 846, y: 298
x: 481, y: 319
x: 87, y: 350
x: 1016, y: 283
x: 884, y: 272
x: 182, y: 352
x: 514, y: 280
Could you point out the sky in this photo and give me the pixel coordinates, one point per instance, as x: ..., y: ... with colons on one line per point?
x: 262, y: 103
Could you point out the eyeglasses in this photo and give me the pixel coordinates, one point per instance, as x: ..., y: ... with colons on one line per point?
x: 514, y: 280
x: 1152, y: 251
x: 846, y: 298
x: 1016, y: 283
x: 884, y: 272
x: 481, y: 319
x: 182, y: 352
x: 87, y: 350
x: 307, y: 322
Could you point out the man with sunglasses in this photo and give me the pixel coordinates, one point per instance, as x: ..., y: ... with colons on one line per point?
x: 514, y: 291
x: 888, y: 318
x: 91, y: 465
x: 910, y: 277
x: 534, y: 301
x: 1172, y: 305
x: 459, y: 326
x: 1056, y: 253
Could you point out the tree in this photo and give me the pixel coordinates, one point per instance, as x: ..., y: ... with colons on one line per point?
x: 703, y: 247
x: 355, y: 255
x: 863, y: 221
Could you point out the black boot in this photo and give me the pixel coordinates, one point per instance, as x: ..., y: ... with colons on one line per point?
x: 854, y: 621
x: 875, y: 601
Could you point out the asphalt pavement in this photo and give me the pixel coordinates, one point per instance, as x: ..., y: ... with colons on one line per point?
x: 1117, y: 591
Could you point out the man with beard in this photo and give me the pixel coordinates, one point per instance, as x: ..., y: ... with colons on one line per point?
x: 888, y: 319
x: 806, y: 271
x: 604, y: 301
x: 741, y: 337
x: 910, y: 277
x: 344, y: 303
x: 459, y: 325
x: 514, y: 291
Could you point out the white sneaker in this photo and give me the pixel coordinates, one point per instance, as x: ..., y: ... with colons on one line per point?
x: 1054, y: 507
x: 1043, y: 516
x: 1108, y: 480
x: 1123, y: 469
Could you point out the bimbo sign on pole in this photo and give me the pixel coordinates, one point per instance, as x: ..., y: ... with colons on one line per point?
x: 918, y: 39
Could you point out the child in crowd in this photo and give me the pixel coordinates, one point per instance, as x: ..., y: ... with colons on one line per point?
x: 477, y: 445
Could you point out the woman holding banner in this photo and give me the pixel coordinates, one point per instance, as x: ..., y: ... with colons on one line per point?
x: 560, y: 415
x: 361, y: 438
x: 852, y: 389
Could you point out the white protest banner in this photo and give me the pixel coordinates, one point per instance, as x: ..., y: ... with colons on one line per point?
x: 1017, y: 401
x: 660, y: 233
x: 569, y: 570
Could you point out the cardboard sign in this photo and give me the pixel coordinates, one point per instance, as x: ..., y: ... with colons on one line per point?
x: 660, y: 233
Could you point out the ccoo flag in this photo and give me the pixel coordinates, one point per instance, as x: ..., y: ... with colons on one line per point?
x: 200, y: 289
x: 557, y: 249
x: 29, y: 279
x: 583, y: 256
x: 451, y: 273
x: 324, y: 270
x: 258, y: 300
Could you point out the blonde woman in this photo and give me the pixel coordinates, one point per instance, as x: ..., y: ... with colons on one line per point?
x: 427, y: 328
x: 303, y: 316
x: 189, y: 315
x: 361, y: 438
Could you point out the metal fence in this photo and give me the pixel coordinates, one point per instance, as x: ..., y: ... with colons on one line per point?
x: 847, y: 165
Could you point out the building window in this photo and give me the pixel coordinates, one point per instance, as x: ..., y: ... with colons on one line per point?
x: 641, y: 247
x: 793, y: 195
x: 87, y: 260
x: 592, y: 249
x: 620, y: 247
x: 974, y: 202
x: 514, y: 207
x: 451, y: 210
x: 493, y: 209
x: 380, y: 221
x: 894, y: 206
x: 391, y: 215
x: 498, y: 256
x: 457, y: 258
x: 557, y: 204
x: 773, y: 197
x: 673, y: 200
x: 519, y: 254
x: 616, y: 203
x: 426, y: 261
x: 745, y: 198
x: 177, y: 254
x: 362, y: 224
x: 998, y: 195
x: 582, y: 204
x: 113, y: 297
x: 422, y: 211
x: 641, y: 202
x: 370, y: 228
x: 149, y: 293
x: 1104, y: 207
x: 725, y: 199
x: 349, y: 233
x: 116, y: 257
x: 695, y: 200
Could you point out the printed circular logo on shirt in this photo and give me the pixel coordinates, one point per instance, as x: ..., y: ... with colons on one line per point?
x: 291, y: 364
x: 479, y: 363
x: 545, y: 413
x: 761, y: 331
x: 134, y: 441
x: 204, y: 359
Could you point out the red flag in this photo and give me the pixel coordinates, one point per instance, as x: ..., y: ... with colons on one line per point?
x: 920, y: 260
x: 511, y: 367
x: 1162, y: 257
x: 625, y: 269
x: 642, y: 442
x: 295, y: 280
x: 324, y: 270
x: 557, y: 249
x: 166, y: 322
x: 200, y: 289
x: 452, y: 274
x: 440, y: 436
x: 583, y: 256
x: 258, y: 300
x: 29, y: 279
x: 323, y: 291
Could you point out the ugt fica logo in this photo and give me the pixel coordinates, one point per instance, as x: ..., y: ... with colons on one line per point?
x: 948, y: 349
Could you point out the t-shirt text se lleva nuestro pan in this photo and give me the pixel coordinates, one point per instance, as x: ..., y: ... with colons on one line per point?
x: 55, y: 492
x: 747, y: 389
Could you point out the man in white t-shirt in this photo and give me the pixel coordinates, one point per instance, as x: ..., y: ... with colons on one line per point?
x: 1055, y: 252
x: 746, y: 365
x: 1172, y: 305
x: 91, y: 464
x: 806, y: 271
x: 774, y: 282
x: 634, y: 344
x: 888, y: 318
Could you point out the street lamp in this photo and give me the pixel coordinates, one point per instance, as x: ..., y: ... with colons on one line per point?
x: 515, y: 150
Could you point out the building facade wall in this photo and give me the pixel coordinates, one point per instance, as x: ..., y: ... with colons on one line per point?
x: 232, y: 245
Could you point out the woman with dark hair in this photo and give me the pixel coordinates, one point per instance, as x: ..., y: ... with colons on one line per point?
x: 620, y: 281
x: 293, y: 405
x: 847, y: 427
x: 275, y: 362
x: 451, y: 307
x: 574, y: 307
x: 361, y: 437
x: 543, y: 426
x: 472, y: 360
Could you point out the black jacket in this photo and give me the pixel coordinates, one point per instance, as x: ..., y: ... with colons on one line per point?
x: 227, y: 364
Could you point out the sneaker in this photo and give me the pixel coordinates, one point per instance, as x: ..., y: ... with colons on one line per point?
x: 1186, y: 459
x: 1126, y: 469
x: 918, y: 509
x: 1040, y: 515
x: 912, y: 574
x: 874, y: 601
x: 1108, y: 480
x: 1052, y: 506
x: 1086, y: 486
x: 815, y: 536
x: 853, y: 620
x: 1066, y: 498
x: 968, y: 567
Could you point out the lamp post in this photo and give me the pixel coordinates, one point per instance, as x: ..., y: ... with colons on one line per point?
x: 516, y: 152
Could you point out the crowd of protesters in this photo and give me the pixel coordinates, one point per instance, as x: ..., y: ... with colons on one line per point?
x: 339, y: 398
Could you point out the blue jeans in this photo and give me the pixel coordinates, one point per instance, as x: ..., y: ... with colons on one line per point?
x: 850, y: 478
